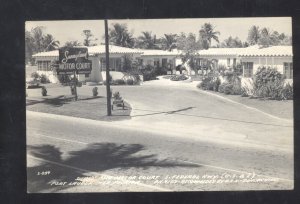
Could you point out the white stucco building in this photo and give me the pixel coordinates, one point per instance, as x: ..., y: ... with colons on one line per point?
x: 250, y: 58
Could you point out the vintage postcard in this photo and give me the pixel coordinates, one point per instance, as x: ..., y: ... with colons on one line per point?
x: 155, y: 105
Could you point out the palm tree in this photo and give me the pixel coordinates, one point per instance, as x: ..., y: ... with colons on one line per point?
x: 147, y: 41
x: 169, y: 41
x: 50, y: 43
x: 119, y: 35
x: 253, y: 35
x: 206, y: 34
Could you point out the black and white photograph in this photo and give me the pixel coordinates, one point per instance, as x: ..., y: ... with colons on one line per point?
x: 159, y: 105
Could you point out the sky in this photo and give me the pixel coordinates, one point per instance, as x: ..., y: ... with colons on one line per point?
x: 236, y: 27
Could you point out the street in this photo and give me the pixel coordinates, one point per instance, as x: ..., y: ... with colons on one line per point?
x: 178, y: 139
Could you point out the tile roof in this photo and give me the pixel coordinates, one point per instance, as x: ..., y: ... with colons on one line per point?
x: 242, y: 52
x: 159, y: 52
x: 268, y: 52
x: 99, y: 49
x: 220, y: 51
x: 53, y: 53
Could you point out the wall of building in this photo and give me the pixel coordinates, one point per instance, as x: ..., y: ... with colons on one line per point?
x: 149, y: 60
x: 276, y: 62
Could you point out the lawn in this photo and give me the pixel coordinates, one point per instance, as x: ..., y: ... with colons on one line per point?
x: 85, y: 107
x: 282, y: 109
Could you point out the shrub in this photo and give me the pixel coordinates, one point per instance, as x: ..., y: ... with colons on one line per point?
x: 129, y: 81
x: 64, y: 79
x: 35, y: 75
x: 44, y: 79
x: 95, y: 91
x: 118, y: 82
x: 207, y: 84
x: 222, y: 87
x: 228, y: 89
x: 181, y: 77
x: 216, y: 84
x: 244, y: 92
x: 287, y: 92
x: 117, y: 95
x: 44, y: 91
x: 269, y: 83
x: 149, y: 73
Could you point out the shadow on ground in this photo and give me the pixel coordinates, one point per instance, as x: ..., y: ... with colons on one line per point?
x: 96, y: 157
x: 58, y: 101
x: 94, y: 108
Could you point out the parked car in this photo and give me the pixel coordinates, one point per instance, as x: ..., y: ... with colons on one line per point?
x: 32, y: 82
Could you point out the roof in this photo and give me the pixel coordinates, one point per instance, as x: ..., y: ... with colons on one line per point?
x: 220, y: 51
x: 274, y: 51
x: 253, y: 51
x: 53, y: 53
x: 99, y: 49
x: 113, y: 49
x: 158, y: 52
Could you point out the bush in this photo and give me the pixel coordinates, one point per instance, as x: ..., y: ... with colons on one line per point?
x: 118, y: 82
x: 44, y: 79
x: 117, y: 95
x: 228, y: 89
x: 287, y: 92
x: 129, y: 81
x: 64, y: 79
x: 44, y: 91
x: 216, y: 84
x: 207, y: 84
x: 181, y: 77
x: 95, y: 91
x: 222, y: 87
x: 35, y: 75
x: 149, y: 73
x: 269, y: 83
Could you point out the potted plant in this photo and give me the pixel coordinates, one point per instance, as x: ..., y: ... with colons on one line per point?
x: 44, y: 91
x: 95, y: 91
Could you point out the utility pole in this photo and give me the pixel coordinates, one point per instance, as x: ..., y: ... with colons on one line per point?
x: 108, y: 93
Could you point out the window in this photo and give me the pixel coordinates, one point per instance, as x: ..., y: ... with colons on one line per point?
x: 288, y: 70
x: 39, y: 66
x: 44, y: 65
x: 164, y: 62
x: 228, y: 62
x: 87, y: 75
x: 248, y: 69
x: 114, y: 64
x: 234, y: 62
x: 156, y: 62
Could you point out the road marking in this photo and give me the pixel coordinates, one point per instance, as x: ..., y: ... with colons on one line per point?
x: 238, y: 171
x: 200, y: 164
x: 106, y: 175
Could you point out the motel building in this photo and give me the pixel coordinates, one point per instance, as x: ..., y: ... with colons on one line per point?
x: 250, y: 58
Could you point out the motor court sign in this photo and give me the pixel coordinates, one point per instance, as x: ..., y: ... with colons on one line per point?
x: 73, y: 59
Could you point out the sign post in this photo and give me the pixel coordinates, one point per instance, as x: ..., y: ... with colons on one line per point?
x: 73, y: 61
x: 108, y: 93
